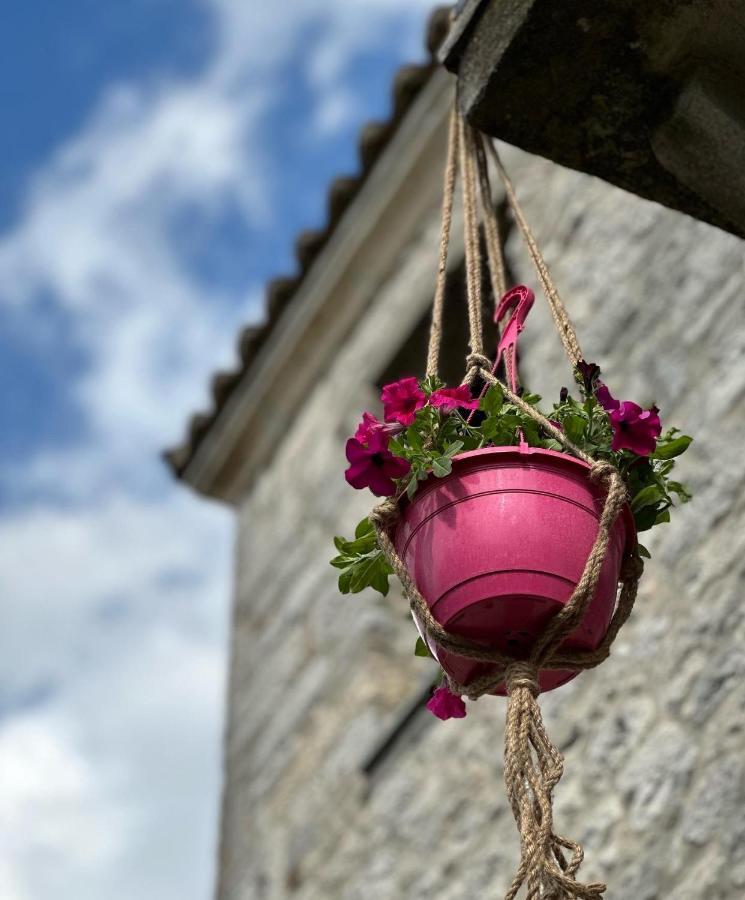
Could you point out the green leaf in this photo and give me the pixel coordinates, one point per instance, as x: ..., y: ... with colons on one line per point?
x: 532, y: 399
x: 340, y: 544
x: 421, y: 649
x: 341, y: 562
x: 511, y: 422
x: 363, y: 528
x: 531, y: 432
x: 552, y: 444
x: 664, y: 467
x: 442, y: 466
x: 684, y: 495
x: 663, y: 516
x: 379, y: 581
x: 411, y: 486
x: 361, y: 546
x: 673, y: 448
x: 396, y: 447
x: 492, y: 400
x: 574, y: 428
x: 472, y: 442
x: 414, y: 437
x: 431, y: 384
x: 363, y: 572
x: 645, y: 518
x: 647, y: 496
x: 643, y: 551
x: 490, y: 427
x: 344, y: 581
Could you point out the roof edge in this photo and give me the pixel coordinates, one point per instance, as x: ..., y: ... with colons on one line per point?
x: 374, y: 137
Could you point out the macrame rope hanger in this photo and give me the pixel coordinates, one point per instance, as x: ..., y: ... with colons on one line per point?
x: 532, y: 764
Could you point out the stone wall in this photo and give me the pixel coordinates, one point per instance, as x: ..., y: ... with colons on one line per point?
x: 337, y: 787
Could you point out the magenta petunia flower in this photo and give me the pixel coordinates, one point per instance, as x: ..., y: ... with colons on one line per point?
x: 374, y: 466
x: 401, y: 399
x: 634, y: 428
x: 446, y: 705
x: 370, y: 426
x: 449, y: 399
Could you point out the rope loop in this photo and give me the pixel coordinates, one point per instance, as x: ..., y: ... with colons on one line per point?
x: 602, y: 470
x: 385, y: 514
x: 522, y: 674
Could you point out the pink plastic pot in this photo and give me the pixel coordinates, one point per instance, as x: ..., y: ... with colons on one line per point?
x: 497, y: 547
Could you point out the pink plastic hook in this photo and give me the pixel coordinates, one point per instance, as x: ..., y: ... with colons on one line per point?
x: 522, y: 299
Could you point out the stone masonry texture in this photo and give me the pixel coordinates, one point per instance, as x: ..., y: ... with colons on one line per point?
x: 654, y: 739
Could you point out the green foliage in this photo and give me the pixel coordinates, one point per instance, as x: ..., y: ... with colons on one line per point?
x: 361, y: 561
x: 436, y: 436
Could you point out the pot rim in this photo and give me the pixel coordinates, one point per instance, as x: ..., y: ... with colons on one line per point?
x: 523, y: 453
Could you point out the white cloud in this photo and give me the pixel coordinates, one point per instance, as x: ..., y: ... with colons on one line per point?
x: 115, y: 582
x: 51, y: 801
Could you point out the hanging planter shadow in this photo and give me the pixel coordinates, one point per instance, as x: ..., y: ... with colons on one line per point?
x: 497, y: 548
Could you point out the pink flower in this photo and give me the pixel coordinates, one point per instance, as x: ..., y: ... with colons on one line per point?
x: 401, y: 400
x: 446, y: 705
x: 449, y: 399
x: 374, y: 466
x: 370, y: 426
x: 634, y: 428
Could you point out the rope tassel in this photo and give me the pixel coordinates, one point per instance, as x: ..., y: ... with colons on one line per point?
x: 532, y: 768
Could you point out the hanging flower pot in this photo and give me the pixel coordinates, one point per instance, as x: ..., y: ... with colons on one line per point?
x: 497, y: 547
x: 510, y: 528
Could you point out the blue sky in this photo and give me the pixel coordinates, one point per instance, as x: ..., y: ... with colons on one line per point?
x: 156, y: 161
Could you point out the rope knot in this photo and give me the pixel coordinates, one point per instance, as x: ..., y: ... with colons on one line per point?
x: 385, y: 514
x: 478, y: 361
x: 522, y: 674
x: 601, y: 470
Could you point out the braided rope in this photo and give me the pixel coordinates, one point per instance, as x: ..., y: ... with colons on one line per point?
x: 492, y: 237
x: 471, y: 239
x: 564, y: 327
x: 448, y: 196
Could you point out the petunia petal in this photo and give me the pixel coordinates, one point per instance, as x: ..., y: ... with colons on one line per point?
x: 358, y: 474
x: 367, y: 428
x: 355, y: 451
x: 379, y: 483
x: 446, y: 705
x: 401, y: 399
x: 453, y: 398
x: 396, y: 467
x: 605, y: 399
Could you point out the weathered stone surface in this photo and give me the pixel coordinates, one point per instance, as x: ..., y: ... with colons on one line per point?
x: 645, y: 95
x: 653, y: 739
